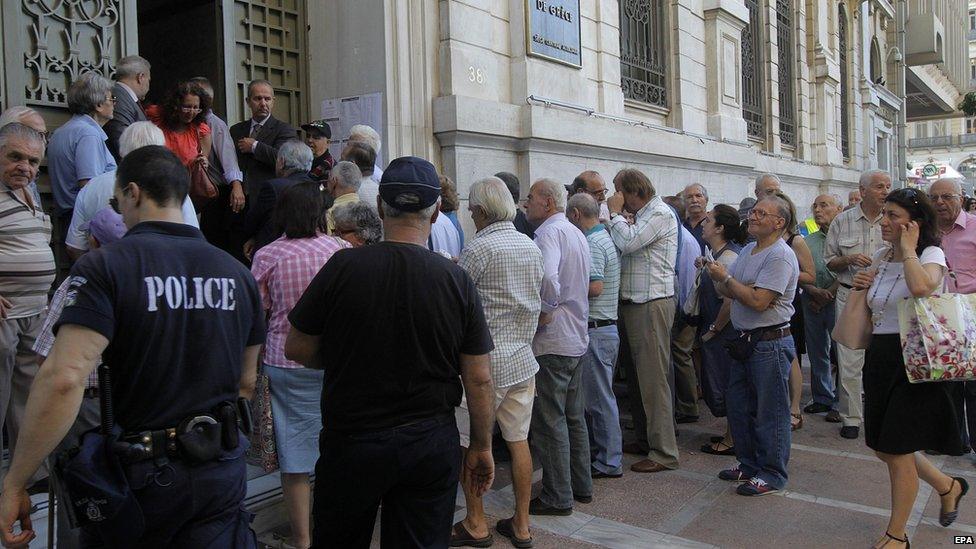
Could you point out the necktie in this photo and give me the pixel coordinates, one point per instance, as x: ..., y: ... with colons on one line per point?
x: 254, y: 131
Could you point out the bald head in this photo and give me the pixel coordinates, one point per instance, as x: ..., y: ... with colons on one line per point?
x: 591, y: 183
x: 825, y: 208
x: 946, y: 197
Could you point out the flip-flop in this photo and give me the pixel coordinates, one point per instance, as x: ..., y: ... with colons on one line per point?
x: 460, y: 537
x: 798, y: 425
x: 708, y: 449
x: 506, y: 529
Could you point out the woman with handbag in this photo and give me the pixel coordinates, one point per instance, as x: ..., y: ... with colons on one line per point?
x: 901, y: 418
x: 724, y: 235
x: 182, y: 117
x: 761, y: 284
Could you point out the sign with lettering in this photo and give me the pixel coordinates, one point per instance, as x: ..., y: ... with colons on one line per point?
x: 553, y: 31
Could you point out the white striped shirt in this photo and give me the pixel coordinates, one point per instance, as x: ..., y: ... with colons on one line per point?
x: 648, y: 252
x: 852, y: 233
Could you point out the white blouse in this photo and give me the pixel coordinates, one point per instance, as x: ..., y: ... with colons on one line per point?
x: 889, y: 287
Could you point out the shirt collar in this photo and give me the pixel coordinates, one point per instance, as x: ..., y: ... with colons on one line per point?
x: 860, y: 211
x: 962, y: 219
x: 595, y: 228
x: 554, y: 218
x: 496, y: 227
x: 89, y: 121
x: 132, y: 94
x: 652, y: 204
x: 262, y: 122
x: 167, y: 228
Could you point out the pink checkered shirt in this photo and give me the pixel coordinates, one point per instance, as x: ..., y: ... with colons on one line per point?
x: 283, y: 270
x: 45, y: 340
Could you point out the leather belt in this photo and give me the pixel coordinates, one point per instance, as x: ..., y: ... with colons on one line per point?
x: 593, y: 324
x: 775, y: 334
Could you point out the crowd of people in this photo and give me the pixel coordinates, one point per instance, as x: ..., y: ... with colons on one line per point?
x: 181, y: 301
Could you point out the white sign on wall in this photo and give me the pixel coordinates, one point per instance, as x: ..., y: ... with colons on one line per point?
x: 345, y: 112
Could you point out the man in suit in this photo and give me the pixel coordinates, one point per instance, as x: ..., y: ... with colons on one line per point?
x: 293, y: 164
x: 258, y: 139
x: 131, y: 86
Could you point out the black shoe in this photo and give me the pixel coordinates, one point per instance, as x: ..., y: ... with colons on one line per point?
x: 832, y: 416
x: 536, y: 507
x: 583, y: 499
x: 594, y: 473
x: 849, y: 431
x: 683, y: 418
x: 816, y: 408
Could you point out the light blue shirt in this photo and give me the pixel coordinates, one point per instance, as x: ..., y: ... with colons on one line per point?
x: 77, y: 151
x: 605, y: 266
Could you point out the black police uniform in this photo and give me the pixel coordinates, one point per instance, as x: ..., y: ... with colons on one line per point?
x: 178, y: 314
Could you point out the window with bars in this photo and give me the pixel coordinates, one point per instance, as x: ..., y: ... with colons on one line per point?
x: 972, y: 20
x: 753, y: 105
x: 643, y: 51
x: 971, y: 125
x: 845, y: 84
x: 784, y: 46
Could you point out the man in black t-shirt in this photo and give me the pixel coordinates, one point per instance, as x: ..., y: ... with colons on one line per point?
x: 179, y: 324
x: 388, y: 399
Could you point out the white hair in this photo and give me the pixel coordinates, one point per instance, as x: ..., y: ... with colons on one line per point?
x: 15, y: 114
x: 130, y: 66
x: 553, y: 189
x: 764, y: 176
x: 139, y: 135
x: 588, y: 207
x: 865, y: 180
x: 21, y: 131
x: 295, y: 156
x: 700, y: 186
x: 954, y: 182
x: 367, y: 135
x: 347, y: 174
x: 492, y: 196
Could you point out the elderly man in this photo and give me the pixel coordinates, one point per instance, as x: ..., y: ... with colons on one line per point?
x: 853, y: 198
x: 389, y: 433
x: 292, y: 163
x: 507, y: 270
x: 362, y: 133
x: 28, y: 265
x: 94, y: 196
x: 603, y: 417
x: 343, y: 185
x: 358, y: 224
x: 363, y: 155
x: 592, y: 183
x: 32, y: 119
x: 132, y: 76
x: 854, y: 236
x: 695, y: 197
x: 648, y: 255
x: 818, y: 311
x: 958, y: 229
x: 258, y: 138
x: 559, y: 437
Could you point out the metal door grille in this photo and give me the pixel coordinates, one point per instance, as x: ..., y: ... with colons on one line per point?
x: 845, y: 142
x: 787, y: 98
x: 753, y: 105
x: 643, y: 51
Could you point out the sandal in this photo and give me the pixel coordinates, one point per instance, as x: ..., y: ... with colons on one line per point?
x: 796, y: 426
x: 715, y: 449
x: 507, y: 529
x: 460, y: 537
x: 947, y: 518
x: 904, y: 540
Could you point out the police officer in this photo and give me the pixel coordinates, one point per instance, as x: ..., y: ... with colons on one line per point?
x: 179, y: 325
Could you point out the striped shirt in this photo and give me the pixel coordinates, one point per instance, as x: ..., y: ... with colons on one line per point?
x: 283, y: 269
x: 648, y: 252
x: 27, y: 267
x: 507, y: 271
x: 852, y: 233
x: 605, y: 266
x: 45, y: 340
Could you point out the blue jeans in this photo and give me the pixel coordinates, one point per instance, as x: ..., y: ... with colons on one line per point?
x: 559, y: 438
x: 758, y: 401
x: 817, y: 327
x: 602, y: 415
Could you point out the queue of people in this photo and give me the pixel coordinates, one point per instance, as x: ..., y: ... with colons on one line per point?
x: 520, y: 324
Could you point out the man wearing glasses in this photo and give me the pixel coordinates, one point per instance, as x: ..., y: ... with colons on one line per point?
x: 958, y: 230
x: 591, y: 183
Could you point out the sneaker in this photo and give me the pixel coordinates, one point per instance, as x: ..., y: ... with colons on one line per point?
x: 733, y: 475
x: 755, y: 487
x: 849, y: 431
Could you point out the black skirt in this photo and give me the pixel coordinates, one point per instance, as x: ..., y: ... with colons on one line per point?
x: 902, y: 417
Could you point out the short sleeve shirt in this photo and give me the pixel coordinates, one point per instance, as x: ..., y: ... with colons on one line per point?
x: 889, y: 287
x: 178, y: 314
x: 77, y: 151
x: 774, y: 268
x: 605, y: 266
x: 392, y: 320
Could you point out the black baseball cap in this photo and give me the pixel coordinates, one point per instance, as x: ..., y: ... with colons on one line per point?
x: 320, y: 126
x: 410, y: 184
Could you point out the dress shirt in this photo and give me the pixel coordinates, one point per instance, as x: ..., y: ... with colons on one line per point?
x: 959, y: 244
x: 507, y: 271
x: 45, y: 339
x: 223, y: 147
x: 348, y: 198
x: 77, y: 151
x: 851, y: 233
x: 368, y: 191
x: 566, y: 257
x: 444, y: 237
x: 817, y: 241
x: 648, y: 252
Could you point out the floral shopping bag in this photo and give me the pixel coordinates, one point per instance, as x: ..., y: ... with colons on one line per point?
x: 938, y: 337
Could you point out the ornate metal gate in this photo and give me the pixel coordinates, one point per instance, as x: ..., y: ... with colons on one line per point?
x: 753, y: 105
x: 643, y: 51
x: 845, y: 142
x: 787, y: 99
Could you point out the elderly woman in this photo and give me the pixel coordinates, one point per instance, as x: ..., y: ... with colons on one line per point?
x: 761, y: 284
x: 32, y: 119
x: 182, y: 117
x: 77, y: 151
x: 901, y: 418
x: 283, y: 269
x: 358, y: 224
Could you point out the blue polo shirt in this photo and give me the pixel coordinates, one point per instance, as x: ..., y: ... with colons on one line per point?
x: 605, y: 266
x: 177, y: 312
x: 77, y: 151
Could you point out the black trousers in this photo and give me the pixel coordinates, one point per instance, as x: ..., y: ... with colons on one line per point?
x: 412, y: 470
x: 964, y: 395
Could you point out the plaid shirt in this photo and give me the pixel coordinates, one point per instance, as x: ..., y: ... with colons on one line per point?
x: 648, y: 252
x: 507, y: 271
x: 283, y: 269
x: 852, y: 233
x: 45, y: 340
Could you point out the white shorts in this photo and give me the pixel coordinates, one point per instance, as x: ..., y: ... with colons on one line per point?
x: 513, y: 412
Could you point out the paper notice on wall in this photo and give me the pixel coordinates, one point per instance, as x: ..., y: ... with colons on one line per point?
x: 345, y: 112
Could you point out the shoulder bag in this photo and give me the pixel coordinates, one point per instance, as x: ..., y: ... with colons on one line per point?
x: 203, y: 187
